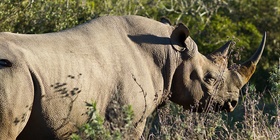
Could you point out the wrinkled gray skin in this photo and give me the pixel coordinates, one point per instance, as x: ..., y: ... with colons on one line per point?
x: 47, y: 79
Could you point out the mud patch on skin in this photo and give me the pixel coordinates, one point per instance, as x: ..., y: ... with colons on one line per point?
x: 64, y: 94
x: 22, y: 118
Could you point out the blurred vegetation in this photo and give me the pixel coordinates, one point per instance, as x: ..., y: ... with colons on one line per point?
x: 211, y: 23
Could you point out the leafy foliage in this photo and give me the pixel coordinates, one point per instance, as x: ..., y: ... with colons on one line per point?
x: 274, y: 79
x: 97, y: 128
x: 42, y: 16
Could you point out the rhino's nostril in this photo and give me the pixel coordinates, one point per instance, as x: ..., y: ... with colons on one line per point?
x: 230, y: 105
x: 233, y: 103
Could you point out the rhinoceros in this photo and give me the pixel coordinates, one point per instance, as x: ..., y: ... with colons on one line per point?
x: 47, y: 79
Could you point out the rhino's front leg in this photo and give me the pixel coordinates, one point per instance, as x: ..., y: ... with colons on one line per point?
x: 140, y: 129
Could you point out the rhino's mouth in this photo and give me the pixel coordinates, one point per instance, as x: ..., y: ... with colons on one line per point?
x: 228, y: 106
x: 217, y: 103
x: 226, y: 103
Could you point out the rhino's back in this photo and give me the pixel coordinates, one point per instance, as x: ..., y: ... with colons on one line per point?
x: 103, y: 41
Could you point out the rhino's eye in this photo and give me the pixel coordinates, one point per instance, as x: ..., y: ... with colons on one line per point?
x: 209, y: 79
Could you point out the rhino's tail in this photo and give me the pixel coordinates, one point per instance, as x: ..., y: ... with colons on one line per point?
x: 5, y: 63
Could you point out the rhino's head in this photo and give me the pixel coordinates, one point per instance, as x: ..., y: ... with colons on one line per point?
x: 203, y: 81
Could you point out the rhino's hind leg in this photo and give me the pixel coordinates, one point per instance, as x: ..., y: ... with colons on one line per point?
x: 36, y: 128
x: 16, y: 98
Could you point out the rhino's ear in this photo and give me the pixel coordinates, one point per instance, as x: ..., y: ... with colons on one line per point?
x: 178, y: 37
x: 181, y: 41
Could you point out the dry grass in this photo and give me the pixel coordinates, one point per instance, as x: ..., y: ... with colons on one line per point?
x: 251, y: 120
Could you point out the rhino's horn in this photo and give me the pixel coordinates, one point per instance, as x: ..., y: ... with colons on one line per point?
x: 248, y: 67
x: 220, y: 55
x: 223, y: 51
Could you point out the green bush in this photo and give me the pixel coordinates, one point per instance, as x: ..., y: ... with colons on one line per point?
x: 43, y: 16
x: 97, y: 128
x: 274, y: 80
